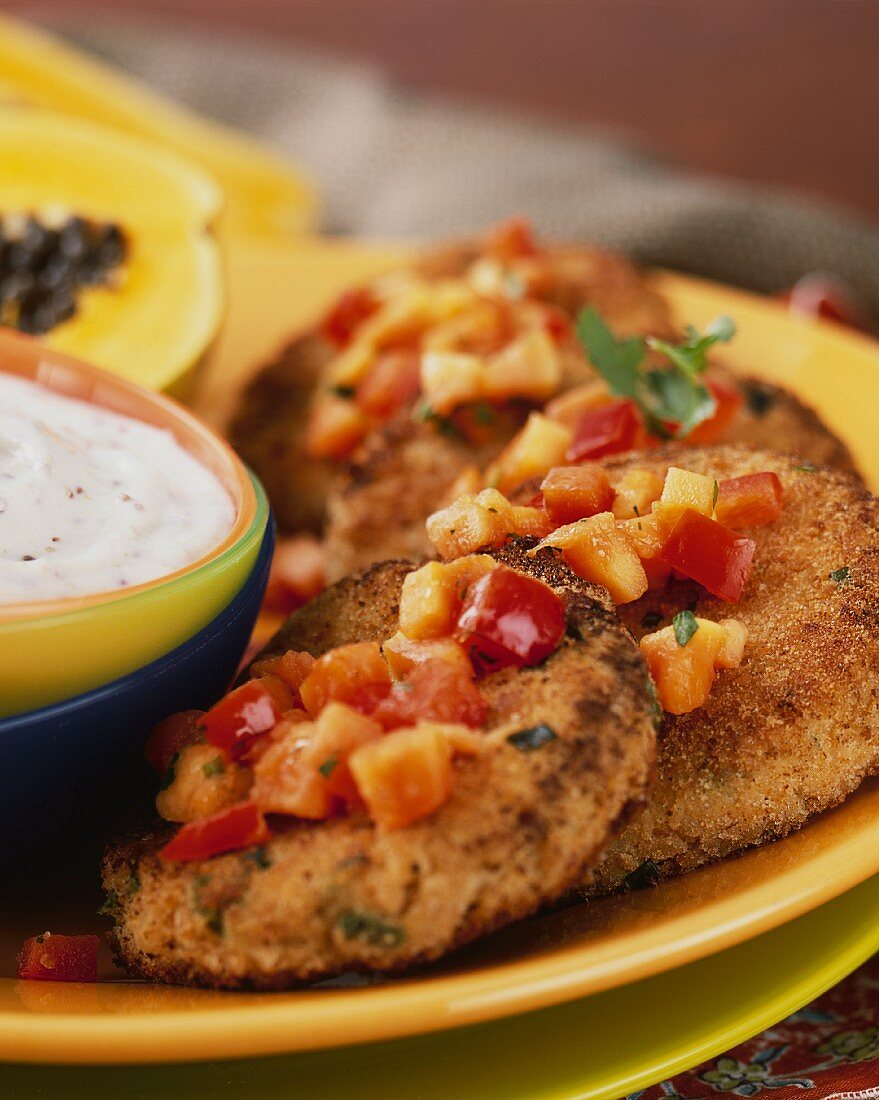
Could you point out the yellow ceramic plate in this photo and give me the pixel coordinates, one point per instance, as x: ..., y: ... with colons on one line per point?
x: 582, y: 950
x: 599, y: 1048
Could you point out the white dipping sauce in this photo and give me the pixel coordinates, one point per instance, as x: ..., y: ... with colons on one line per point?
x: 92, y: 501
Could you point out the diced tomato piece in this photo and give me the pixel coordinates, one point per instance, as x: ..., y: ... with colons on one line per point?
x: 335, y: 427
x: 597, y: 550
x: 392, y: 382
x: 557, y: 323
x: 55, y: 958
x: 510, y: 240
x: 241, y: 826
x: 292, y: 667
x: 710, y: 554
x: 405, y: 776
x: 574, y: 492
x: 170, y: 736
x: 243, y: 714
x: 728, y: 400
x: 817, y: 295
x: 354, y: 674
x: 297, y: 574
x: 510, y: 619
x: 351, y: 310
x: 608, y: 430
x: 434, y: 691
x: 749, y: 501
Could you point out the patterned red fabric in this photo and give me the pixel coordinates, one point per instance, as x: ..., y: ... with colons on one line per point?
x: 826, y: 1051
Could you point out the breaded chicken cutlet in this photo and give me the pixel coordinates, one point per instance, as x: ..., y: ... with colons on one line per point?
x: 794, y: 729
x: 378, y: 507
x: 270, y: 427
x: 519, y: 830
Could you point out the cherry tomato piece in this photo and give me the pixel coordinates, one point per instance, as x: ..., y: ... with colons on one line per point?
x: 710, y: 554
x: 351, y: 310
x: 54, y: 958
x: 609, y: 429
x: 435, y: 691
x: 510, y: 619
x: 172, y: 735
x: 240, y: 826
x: 750, y: 501
x: 243, y: 714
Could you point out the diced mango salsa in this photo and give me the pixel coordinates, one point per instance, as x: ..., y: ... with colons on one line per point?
x: 431, y: 596
x: 684, y: 674
x: 539, y: 446
x: 635, y: 493
x: 682, y: 490
x: 355, y: 674
x: 599, y: 552
x: 405, y: 776
x: 403, y: 654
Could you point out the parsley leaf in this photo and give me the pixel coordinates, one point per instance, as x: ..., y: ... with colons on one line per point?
x: 645, y: 874
x: 370, y: 929
x: 214, y: 767
x: 345, y: 392
x: 170, y: 773
x: 329, y: 766
x: 685, y: 626
x: 671, y: 400
x: 841, y: 575
x: 534, y: 737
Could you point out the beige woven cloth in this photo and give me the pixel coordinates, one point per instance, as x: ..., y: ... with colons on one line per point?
x: 393, y: 162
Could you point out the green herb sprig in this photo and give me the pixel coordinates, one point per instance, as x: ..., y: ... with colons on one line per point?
x: 672, y: 400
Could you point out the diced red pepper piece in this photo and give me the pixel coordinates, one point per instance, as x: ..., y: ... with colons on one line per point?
x: 55, y: 958
x: 435, y: 691
x: 240, y: 716
x: 511, y: 239
x: 241, y: 826
x: 575, y: 492
x: 172, y: 735
x: 510, y: 619
x: 351, y: 310
x: 710, y: 554
x: 728, y: 400
x: 392, y: 381
x: 609, y: 429
x: 750, y: 501
x: 557, y: 323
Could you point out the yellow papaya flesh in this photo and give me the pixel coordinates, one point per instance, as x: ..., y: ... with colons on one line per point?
x: 154, y: 319
x: 264, y: 196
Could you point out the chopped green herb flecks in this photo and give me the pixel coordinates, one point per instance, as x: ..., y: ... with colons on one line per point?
x: 346, y: 392
x: 841, y: 575
x: 535, y: 737
x: 133, y: 879
x: 329, y: 766
x: 672, y: 400
x: 651, y: 619
x: 214, y: 767
x: 170, y: 773
x: 444, y: 424
x: 656, y: 711
x: 259, y: 856
x: 483, y: 413
x: 371, y: 929
x: 685, y: 626
x: 715, y: 495
x: 646, y: 874
x: 213, y: 915
x: 758, y: 398
x: 806, y: 468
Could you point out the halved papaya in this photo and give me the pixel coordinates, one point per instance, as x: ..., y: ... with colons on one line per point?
x: 265, y: 196
x: 150, y: 304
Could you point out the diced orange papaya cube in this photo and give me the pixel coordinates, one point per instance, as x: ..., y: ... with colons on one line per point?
x: 285, y: 784
x: 635, y: 493
x: 568, y: 408
x: 682, y: 490
x: 529, y: 367
x: 683, y: 674
x: 431, y: 596
x: 575, y: 492
x: 201, y: 784
x: 339, y: 731
x: 291, y: 667
x: 405, y: 776
x: 403, y: 654
x: 539, y: 446
x: 732, y: 649
x: 646, y: 534
x: 335, y: 427
x: 749, y: 501
x: 450, y: 379
x: 355, y: 674
x: 469, y: 524
x: 530, y: 522
x: 600, y: 553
